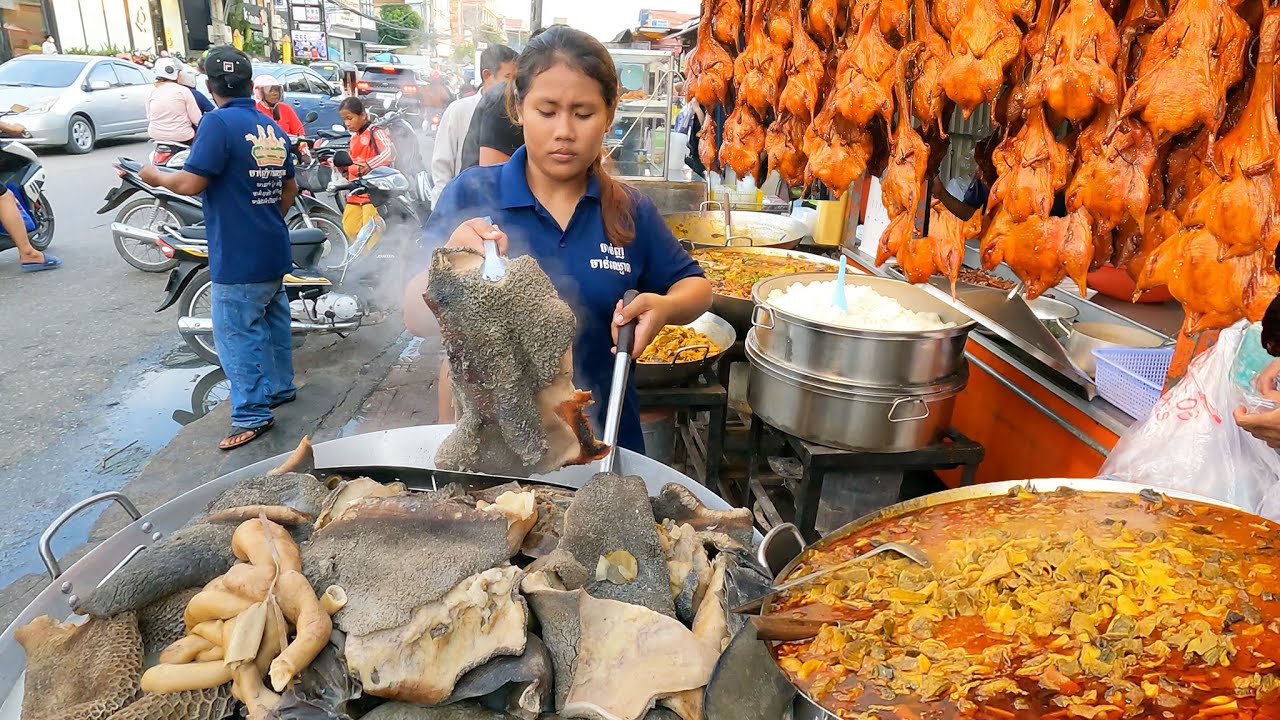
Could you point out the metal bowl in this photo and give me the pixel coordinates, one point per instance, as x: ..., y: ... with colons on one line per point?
x: 706, y: 229
x: 738, y: 310
x: 689, y: 362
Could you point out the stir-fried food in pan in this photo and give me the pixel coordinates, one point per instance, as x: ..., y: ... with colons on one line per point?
x: 734, y: 273
x: 1059, y: 606
x: 671, y: 339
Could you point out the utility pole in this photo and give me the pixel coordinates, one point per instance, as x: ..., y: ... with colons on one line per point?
x: 272, y: 52
x: 535, y: 16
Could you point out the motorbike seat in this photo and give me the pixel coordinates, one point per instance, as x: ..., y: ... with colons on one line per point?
x: 194, y: 232
x: 308, y: 246
x: 332, y: 134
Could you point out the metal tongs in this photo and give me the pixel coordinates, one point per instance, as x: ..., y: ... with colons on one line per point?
x: 618, y: 387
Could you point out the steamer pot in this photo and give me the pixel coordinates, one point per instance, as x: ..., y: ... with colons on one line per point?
x: 869, y: 358
x: 850, y: 416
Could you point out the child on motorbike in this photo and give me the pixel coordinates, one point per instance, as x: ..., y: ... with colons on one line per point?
x: 371, y: 147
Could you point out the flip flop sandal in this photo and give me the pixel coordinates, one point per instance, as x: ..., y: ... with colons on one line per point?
x: 50, y: 262
x: 244, y: 436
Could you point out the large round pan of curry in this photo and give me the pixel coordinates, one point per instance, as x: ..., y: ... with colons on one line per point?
x: 1052, y: 599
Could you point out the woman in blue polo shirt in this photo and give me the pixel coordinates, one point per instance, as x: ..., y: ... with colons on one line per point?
x: 595, y: 237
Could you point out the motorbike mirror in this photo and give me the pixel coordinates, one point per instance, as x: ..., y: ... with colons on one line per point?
x: 311, y: 117
x: 99, y: 85
x: 342, y: 159
x: 18, y: 108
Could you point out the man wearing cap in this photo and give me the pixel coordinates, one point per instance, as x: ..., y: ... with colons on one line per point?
x: 240, y: 162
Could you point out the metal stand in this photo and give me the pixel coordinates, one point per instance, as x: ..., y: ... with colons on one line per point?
x: 703, y: 456
x: 955, y: 450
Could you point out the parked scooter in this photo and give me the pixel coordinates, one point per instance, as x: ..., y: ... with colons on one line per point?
x: 315, y: 304
x: 24, y: 175
x: 170, y: 154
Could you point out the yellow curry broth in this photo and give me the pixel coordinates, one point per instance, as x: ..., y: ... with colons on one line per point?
x: 1065, y: 605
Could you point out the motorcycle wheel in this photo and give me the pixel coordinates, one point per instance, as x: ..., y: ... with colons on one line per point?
x: 336, y: 241
x: 149, y: 214
x: 43, y: 234
x: 197, y: 301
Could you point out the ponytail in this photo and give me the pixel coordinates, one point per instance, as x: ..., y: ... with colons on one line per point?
x: 615, y: 206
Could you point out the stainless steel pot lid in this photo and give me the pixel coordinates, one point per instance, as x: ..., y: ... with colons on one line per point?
x: 941, y: 390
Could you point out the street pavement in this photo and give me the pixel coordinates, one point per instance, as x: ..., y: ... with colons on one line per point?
x: 96, y: 385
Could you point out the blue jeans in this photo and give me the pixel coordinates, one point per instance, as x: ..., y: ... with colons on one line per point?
x: 251, y: 332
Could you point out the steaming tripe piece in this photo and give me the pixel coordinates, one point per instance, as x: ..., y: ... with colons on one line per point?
x: 868, y: 309
x: 509, y: 347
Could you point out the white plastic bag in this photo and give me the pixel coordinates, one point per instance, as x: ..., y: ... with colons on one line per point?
x: 1191, y: 442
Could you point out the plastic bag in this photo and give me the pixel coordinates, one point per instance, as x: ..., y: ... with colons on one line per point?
x: 1191, y: 442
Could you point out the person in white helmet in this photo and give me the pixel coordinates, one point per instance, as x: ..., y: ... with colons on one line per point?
x: 270, y: 94
x: 188, y: 77
x: 172, y: 112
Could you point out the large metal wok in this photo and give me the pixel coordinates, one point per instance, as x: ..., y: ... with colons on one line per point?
x: 382, y: 453
x: 720, y: 228
x: 738, y: 310
x: 690, y: 361
x: 783, y: 546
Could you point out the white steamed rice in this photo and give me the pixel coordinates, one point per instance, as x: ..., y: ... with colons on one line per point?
x: 868, y: 309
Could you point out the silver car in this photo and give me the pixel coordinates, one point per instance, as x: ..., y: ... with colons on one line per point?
x: 73, y: 100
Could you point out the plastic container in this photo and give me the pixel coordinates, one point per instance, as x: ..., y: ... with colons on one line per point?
x: 1132, y: 379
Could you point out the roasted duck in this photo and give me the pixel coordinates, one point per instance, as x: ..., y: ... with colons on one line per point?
x: 1189, y: 171
x: 983, y: 44
x: 806, y: 70
x: 838, y: 150
x: 758, y: 70
x: 1041, y: 252
x: 903, y: 183
x: 823, y: 16
x: 707, y: 144
x: 928, y: 54
x: 946, y: 15
x: 784, y: 143
x: 1076, y: 72
x: 710, y: 68
x: 1112, y: 183
x: 743, y: 141
x: 780, y: 22
x: 724, y: 17
x: 864, y: 78
x: 1214, y: 293
x: 1134, y: 245
x: 1032, y: 167
x: 895, y: 18
x: 1187, y: 68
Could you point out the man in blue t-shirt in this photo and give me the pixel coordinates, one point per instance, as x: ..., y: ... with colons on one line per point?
x: 240, y: 162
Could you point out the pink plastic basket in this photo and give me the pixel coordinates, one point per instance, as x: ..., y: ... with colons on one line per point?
x: 1132, y: 379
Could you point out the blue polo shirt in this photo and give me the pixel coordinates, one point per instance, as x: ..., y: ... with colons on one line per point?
x: 588, y: 272
x: 245, y: 157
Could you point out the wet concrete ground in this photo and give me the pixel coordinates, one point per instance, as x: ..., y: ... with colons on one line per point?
x: 97, y: 391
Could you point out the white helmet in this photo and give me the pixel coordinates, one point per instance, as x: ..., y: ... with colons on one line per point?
x: 167, y: 69
x: 262, y: 82
x: 187, y: 76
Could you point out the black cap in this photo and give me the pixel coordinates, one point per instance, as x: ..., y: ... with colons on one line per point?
x: 225, y: 64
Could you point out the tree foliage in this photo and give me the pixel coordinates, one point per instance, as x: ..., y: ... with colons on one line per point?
x: 400, y: 25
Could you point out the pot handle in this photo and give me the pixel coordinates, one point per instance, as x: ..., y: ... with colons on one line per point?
x: 708, y: 204
x: 756, y: 321
x: 902, y: 400
x: 706, y: 351
x: 46, y: 538
x: 782, y: 544
x: 750, y: 241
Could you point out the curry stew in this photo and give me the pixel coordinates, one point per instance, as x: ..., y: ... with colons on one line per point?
x: 1065, y: 605
x: 734, y: 273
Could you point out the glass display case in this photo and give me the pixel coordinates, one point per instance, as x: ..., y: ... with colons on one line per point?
x: 641, y: 132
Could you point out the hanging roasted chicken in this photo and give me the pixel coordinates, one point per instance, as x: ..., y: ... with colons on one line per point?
x: 758, y: 71
x: 806, y: 70
x: 710, y: 67
x: 1041, y: 252
x: 927, y: 55
x: 983, y: 44
x: 784, y: 143
x: 823, y: 16
x: 838, y: 150
x: 1076, y: 74
x: 864, y: 78
x: 1214, y: 293
x: 743, y: 141
x: 724, y: 17
x: 1032, y: 166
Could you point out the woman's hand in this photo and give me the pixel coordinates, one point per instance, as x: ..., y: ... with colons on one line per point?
x: 1264, y: 425
x: 650, y: 312
x: 472, y: 234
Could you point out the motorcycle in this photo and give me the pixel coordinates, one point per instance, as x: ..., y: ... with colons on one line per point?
x: 24, y: 175
x: 316, y: 306
x: 170, y: 154
x: 136, y: 227
x: 393, y: 195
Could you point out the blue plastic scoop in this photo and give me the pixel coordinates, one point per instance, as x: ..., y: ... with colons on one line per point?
x: 837, y: 297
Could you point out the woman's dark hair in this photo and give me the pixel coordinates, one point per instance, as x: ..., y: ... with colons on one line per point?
x: 575, y: 49
x: 353, y: 105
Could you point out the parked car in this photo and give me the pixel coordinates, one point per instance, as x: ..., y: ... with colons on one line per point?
x: 76, y: 100
x: 307, y: 91
x: 420, y: 95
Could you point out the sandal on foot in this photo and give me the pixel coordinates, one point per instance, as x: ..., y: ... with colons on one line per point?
x: 50, y: 262
x: 243, y: 436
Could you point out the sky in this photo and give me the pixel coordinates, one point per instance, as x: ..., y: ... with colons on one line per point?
x: 604, y: 20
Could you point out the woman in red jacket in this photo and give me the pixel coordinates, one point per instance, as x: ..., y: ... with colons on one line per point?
x: 271, y: 103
